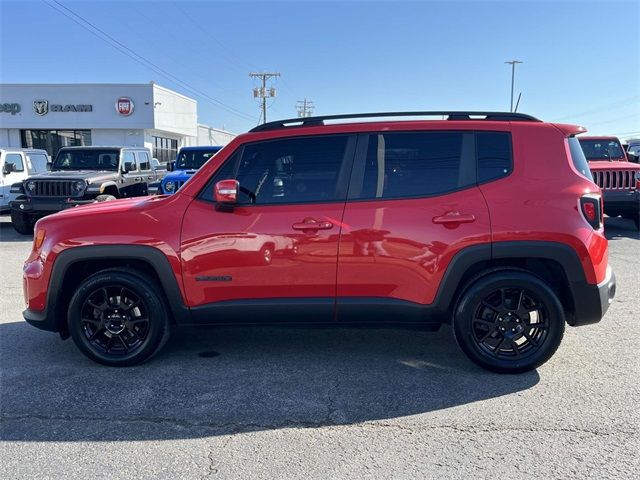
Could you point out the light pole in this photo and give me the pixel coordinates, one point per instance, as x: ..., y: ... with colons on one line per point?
x: 513, y: 76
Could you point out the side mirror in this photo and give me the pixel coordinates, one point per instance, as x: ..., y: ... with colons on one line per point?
x: 170, y: 166
x: 49, y: 164
x: 8, y: 168
x: 129, y: 167
x: 226, y: 192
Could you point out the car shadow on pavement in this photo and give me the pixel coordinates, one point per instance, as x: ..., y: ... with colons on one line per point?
x: 618, y: 227
x: 215, y: 381
x: 8, y: 233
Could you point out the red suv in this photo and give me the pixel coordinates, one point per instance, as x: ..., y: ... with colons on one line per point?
x: 490, y: 222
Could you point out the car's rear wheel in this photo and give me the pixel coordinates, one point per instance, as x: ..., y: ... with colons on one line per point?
x: 22, y: 222
x: 118, y: 318
x: 105, y: 198
x: 509, y: 321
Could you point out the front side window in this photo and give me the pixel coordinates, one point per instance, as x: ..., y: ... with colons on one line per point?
x: 86, y: 160
x: 602, y: 149
x: 16, y: 160
x: 128, y: 157
x: 296, y: 170
x: 144, y: 163
x: 38, y: 161
x: 415, y: 164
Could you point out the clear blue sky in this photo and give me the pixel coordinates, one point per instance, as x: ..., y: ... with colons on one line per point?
x: 581, y: 59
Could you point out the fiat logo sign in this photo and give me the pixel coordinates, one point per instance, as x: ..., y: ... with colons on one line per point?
x: 124, y: 106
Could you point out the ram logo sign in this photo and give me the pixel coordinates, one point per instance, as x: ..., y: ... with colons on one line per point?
x: 42, y: 107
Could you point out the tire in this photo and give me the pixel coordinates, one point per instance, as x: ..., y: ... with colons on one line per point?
x: 265, y: 256
x: 22, y: 222
x: 105, y: 198
x: 509, y: 321
x: 106, y: 317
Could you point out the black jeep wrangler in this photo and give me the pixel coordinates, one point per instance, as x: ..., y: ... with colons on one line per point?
x: 82, y: 175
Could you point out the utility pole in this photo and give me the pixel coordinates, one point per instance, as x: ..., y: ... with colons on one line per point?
x: 262, y: 93
x: 513, y: 76
x: 305, y: 108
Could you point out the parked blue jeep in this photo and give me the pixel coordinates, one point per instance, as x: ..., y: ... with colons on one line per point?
x: 188, y: 161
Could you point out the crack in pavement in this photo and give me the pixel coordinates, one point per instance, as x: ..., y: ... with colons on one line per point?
x: 232, y: 428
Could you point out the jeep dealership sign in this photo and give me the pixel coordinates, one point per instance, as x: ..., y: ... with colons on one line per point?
x: 11, y: 108
x: 42, y: 107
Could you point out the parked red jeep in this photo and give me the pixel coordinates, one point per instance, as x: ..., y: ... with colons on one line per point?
x: 490, y: 222
x: 618, y: 178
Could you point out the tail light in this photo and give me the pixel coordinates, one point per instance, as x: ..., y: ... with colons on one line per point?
x: 592, y: 209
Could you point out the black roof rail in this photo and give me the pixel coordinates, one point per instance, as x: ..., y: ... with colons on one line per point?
x: 451, y: 115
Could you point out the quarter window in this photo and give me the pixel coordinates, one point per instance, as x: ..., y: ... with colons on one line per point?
x: 405, y: 165
x: 494, y: 155
x: 298, y: 170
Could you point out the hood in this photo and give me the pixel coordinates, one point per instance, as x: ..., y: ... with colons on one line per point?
x: 113, y: 206
x: 178, y: 175
x: 606, y: 165
x: 89, y: 175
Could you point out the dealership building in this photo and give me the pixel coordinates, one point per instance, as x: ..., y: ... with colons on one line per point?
x: 53, y: 116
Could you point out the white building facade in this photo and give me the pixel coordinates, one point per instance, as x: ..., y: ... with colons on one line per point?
x: 53, y: 116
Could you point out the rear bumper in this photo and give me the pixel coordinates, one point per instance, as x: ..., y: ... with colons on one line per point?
x: 592, y: 301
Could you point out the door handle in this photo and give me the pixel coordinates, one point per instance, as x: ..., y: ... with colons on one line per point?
x: 312, y: 225
x: 454, y: 217
x: 138, y: 179
x: 149, y: 177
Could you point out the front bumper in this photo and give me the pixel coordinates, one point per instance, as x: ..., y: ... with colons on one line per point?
x: 46, y: 206
x: 621, y: 202
x: 592, y: 301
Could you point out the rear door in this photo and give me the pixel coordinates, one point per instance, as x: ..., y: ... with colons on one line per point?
x: 275, y: 254
x: 413, y: 204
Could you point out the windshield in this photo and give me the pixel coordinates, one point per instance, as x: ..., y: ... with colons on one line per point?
x: 86, y: 160
x: 194, y: 159
x: 602, y: 149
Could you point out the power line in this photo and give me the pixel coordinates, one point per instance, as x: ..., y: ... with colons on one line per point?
x: 305, y: 108
x: 104, y: 36
x: 262, y: 92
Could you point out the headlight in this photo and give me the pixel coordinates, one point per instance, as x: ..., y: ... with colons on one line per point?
x: 31, y: 186
x: 78, y: 186
x: 169, y: 186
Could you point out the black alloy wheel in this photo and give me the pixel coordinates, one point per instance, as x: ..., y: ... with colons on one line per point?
x: 509, y: 321
x: 118, y: 317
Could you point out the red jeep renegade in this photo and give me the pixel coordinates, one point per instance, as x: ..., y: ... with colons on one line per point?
x: 488, y: 221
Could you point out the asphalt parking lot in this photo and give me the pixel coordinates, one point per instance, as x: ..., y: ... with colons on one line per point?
x: 291, y: 403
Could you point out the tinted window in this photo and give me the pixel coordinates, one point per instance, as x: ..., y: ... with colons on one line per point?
x: 602, y: 149
x: 578, y: 158
x: 194, y: 159
x: 143, y: 161
x: 416, y: 164
x: 286, y: 171
x: 16, y: 160
x: 494, y: 155
x: 93, y: 159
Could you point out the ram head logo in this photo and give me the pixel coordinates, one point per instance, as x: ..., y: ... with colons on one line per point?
x: 41, y: 107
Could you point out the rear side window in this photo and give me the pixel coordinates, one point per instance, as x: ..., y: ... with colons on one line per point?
x: 578, y: 158
x: 415, y: 164
x: 494, y: 155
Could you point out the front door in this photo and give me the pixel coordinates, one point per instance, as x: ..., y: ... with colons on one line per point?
x: 16, y: 174
x: 277, y: 249
x: 413, y: 204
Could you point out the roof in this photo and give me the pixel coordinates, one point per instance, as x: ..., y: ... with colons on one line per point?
x: 102, y: 147
x: 598, y: 137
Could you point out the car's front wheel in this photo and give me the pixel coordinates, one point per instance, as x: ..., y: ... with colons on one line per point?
x: 118, y: 317
x: 509, y: 321
x: 22, y: 222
